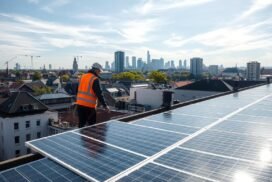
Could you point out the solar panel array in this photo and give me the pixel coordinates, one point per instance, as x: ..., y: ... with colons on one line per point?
x: 40, y: 170
x: 222, y: 139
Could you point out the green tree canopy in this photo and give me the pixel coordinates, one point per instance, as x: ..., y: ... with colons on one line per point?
x: 128, y: 76
x: 158, y: 77
x: 36, y: 76
x: 43, y: 90
x: 65, y: 78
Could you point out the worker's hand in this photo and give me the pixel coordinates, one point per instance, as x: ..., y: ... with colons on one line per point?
x: 107, y: 109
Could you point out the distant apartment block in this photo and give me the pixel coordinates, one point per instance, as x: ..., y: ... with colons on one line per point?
x: 119, y: 60
x: 213, y: 70
x: 133, y: 62
x: 196, y: 66
x: 253, y: 71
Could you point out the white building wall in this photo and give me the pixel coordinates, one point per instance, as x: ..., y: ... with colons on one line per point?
x: 186, y: 95
x: 149, y: 97
x: 8, y: 133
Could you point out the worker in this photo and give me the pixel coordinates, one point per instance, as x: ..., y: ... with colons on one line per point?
x: 89, y: 92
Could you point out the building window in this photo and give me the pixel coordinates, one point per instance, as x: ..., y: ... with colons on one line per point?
x: 17, y: 139
x: 17, y: 153
x: 27, y: 124
x: 16, y: 126
x: 38, y: 134
x: 38, y: 122
x: 28, y: 137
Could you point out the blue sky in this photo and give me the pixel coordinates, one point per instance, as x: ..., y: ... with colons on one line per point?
x: 227, y: 32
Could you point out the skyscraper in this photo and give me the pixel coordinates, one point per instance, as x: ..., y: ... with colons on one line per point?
x: 180, y: 64
x: 148, y: 58
x: 253, y: 70
x: 119, y: 59
x: 50, y: 66
x: 157, y: 64
x: 196, y: 66
x: 134, y: 62
x: 127, y: 62
x: 140, y: 64
x: 185, y: 64
x: 172, y: 64
x: 75, y: 65
x: 107, y: 65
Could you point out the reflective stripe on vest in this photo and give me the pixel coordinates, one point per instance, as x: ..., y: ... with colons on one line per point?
x: 86, y: 96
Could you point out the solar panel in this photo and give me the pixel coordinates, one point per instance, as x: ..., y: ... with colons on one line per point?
x: 229, y: 144
x: 183, y: 119
x: 91, y: 158
x: 247, y: 128
x: 154, y: 172
x: 138, y: 139
x: 215, y: 166
x: 216, y: 140
x: 40, y: 170
x: 166, y: 126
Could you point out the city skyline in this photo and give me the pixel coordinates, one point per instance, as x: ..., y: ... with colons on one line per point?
x: 220, y: 32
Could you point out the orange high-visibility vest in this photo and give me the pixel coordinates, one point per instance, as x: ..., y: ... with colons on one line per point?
x: 85, y: 95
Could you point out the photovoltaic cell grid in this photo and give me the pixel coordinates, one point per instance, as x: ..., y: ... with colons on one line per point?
x: 220, y: 143
x: 40, y: 170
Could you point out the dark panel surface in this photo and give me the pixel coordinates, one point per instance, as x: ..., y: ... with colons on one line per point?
x: 216, y: 167
x: 40, y: 170
x: 194, y: 121
x: 166, y: 126
x: 230, y: 144
x: 92, y: 158
x: 139, y: 139
x: 153, y: 172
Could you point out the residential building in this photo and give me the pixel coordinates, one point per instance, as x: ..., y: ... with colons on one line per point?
x: 213, y: 70
x: 157, y: 64
x: 127, y: 62
x: 134, y: 62
x: 140, y: 64
x: 22, y: 118
x: 196, y: 66
x: 180, y: 64
x: 253, y: 71
x: 107, y: 65
x: 119, y: 59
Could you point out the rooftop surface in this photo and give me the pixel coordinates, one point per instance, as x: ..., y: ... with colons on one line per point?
x: 223, y: 139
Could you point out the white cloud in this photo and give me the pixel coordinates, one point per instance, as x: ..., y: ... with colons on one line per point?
x: 229, y: 38
x: 137, y: 31
x: 79, y: 35
x: 156, y: 6
x: 92, y: 16
x: 256, y: 6
x: 176, y: 41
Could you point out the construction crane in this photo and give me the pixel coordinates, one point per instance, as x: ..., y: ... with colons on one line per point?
x: 7, y: 62
x: 31, y: 57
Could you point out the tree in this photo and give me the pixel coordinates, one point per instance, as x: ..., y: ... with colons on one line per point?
x: 65, y: 78
x: 129, y: 76
x: 43, y: 90
x: 36, y: 76
x: 158, y: 77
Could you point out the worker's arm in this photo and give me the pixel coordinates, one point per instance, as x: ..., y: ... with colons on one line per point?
x: 98, y: 92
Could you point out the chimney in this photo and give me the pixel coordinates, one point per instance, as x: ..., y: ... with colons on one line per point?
x: 167, y: 99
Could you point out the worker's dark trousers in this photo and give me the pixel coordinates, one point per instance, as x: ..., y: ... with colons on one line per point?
x: 86, y: 115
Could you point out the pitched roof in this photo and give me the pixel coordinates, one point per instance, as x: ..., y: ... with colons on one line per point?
x: 21, y: 103
x: 208, y: 85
